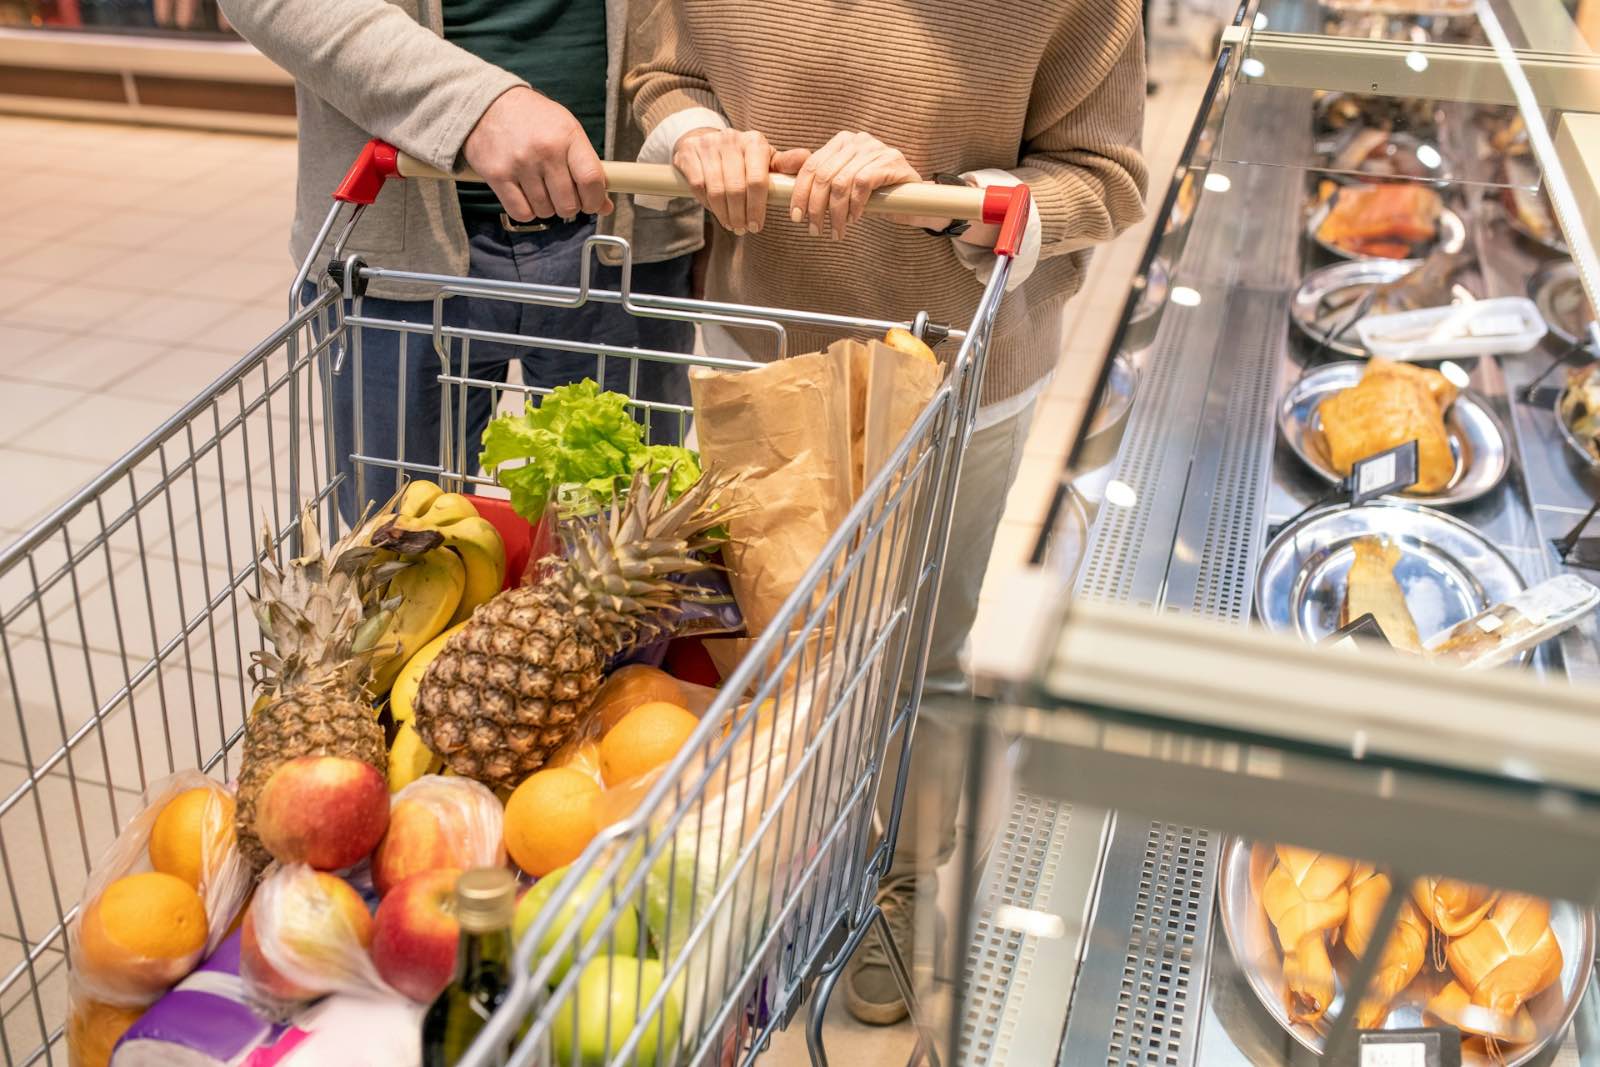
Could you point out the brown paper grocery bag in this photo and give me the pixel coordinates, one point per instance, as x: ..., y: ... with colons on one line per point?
x: 785, y: 427
x: 898, y: 388
x: 806, y: 434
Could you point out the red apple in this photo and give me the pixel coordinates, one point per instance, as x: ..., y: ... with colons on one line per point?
x: 324, y: 811
x: 317, y: 918
x: 416, y: 841
x: 415, y: 933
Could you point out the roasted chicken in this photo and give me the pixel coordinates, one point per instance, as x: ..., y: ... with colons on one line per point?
x: 1385, y: 221
x: 1392, y: 404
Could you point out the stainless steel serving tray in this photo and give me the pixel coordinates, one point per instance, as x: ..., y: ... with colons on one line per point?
x: 1448, y: 571
x: 1451, y: 235
x: 1325, y: 285
x: 1142, y: 323
x: 1555, y: 243
x: 1397, y: 142
x: 1255, y: 949
x: 1557, y: 291
x: 1477, y: 437
x: 1110, y: 419
x: 1568, y: 435
x: 1070, y: 537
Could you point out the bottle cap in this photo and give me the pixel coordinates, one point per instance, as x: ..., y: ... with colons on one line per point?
x: 486, y: 899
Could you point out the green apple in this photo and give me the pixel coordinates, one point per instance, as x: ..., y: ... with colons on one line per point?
x: 625, y: 935
x: 616, y: 988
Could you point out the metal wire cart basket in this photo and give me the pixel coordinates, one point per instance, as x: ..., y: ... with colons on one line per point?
x: 125, y: 628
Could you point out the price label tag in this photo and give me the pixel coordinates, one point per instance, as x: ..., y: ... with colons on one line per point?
x: 1386, y: 472
x: 1420, y: 1047
x: 1350, y: 635
x: 1411, y: 1054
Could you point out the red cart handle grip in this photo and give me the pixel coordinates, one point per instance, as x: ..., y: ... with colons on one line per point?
x: 1010, y: 206
x: 1006, y: 205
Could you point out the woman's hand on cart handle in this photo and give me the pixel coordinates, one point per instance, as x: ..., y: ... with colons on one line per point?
x: 833, y: 186
x: 727, y: 171
x: 537, y: 158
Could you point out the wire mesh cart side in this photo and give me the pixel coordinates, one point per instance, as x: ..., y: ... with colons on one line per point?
x: 125, y: 625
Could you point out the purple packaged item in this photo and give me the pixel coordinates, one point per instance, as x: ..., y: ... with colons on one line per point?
x: 206, y: 1020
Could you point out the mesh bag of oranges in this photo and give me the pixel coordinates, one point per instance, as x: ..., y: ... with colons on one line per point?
x: 163, y: 896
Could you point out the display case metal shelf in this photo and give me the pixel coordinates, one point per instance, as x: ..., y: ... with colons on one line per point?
x: 1154, y: 717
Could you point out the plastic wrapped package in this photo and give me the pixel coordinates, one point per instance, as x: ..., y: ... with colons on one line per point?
x: 206, y: 1020
x: 350, y: 1031
x: 307, y: 934
x: 438, y: 822
x: 164, y: 894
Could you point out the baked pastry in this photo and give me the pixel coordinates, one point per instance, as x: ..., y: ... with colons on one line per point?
x: 1371, y: 589
x: 1392, y: 404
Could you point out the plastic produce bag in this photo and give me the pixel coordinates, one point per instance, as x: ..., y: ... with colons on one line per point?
x: 686, y: 879
x: 307, y: 934
x: 161, y: 897
x: 626, y: 688
x: 438, y: 822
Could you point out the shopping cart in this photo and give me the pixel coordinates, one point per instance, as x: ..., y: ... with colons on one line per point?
x: 125, y: 625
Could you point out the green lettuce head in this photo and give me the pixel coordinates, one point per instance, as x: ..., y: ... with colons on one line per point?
x: 580, y: 445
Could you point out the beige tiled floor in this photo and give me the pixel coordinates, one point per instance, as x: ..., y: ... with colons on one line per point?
x: 136, y: 265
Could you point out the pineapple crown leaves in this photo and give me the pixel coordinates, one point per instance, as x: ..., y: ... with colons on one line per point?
x: 622, y: 567
x: 325, y: 611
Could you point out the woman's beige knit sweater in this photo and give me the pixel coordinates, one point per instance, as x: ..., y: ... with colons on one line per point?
x: 1051, y: 90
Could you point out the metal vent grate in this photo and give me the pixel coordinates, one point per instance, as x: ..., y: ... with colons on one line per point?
x: 1118, y: 537
x: 999, y: 959
x: 1227, y: 562
x: 1170, y: 912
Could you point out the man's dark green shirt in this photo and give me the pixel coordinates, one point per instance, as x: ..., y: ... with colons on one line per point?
x: 557, y: 46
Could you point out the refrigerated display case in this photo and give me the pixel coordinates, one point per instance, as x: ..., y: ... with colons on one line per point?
x: 1198, y: 668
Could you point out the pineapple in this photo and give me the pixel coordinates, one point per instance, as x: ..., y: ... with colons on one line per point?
x: 516, y: 683
x: 324, y: 615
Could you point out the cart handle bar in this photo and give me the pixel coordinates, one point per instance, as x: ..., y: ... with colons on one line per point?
x: 1003, y: 204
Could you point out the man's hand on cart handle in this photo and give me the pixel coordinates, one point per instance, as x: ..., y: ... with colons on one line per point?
x: 536, y: 157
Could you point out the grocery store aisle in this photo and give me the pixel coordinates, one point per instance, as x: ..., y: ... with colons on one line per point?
x: 137, y: 264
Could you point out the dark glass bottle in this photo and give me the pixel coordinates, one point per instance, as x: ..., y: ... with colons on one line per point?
x: 486, y: 901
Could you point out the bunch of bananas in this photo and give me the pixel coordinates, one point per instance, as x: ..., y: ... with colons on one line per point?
x: 460, y: 564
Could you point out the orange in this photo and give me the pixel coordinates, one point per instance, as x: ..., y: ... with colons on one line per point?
x: 93, y: 1030
x: 192, y: 834
x: 144, y: 933
x: 647, y: 737
x: 550, y: 818
x: 629, y: 687
x: 584, y: 756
